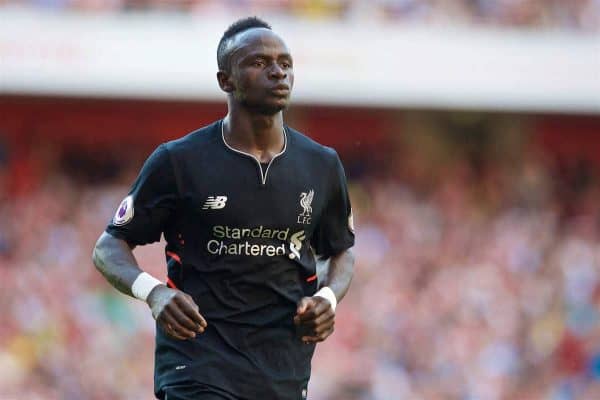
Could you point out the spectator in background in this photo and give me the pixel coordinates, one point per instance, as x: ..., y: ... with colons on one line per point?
x: 486, y: 280
x: 580, y: 15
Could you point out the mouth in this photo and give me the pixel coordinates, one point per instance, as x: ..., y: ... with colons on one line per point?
x: 280, y: 90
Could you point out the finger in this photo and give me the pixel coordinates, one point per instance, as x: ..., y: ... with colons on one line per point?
x: 317, y: 309
x: 197, y: 316
x: 303, y: 305
x: 314, y: 321
x: 324, y: 325
x: 327, y: 315
x: 177, y: 311
x: 318, y: 338
x: 190, y: 313
x: 176, y: 330
x: 322, y: 306
x: 169, y: 330
x: 171, y: 322
x: 191, y: 309
x: 305, y: 318
x: 313, y: 339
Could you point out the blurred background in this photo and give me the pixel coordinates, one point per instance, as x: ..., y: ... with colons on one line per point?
x: 470, y: 133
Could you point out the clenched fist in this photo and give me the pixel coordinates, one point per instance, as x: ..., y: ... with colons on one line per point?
x: 315, y: 318
x: 176, y: 312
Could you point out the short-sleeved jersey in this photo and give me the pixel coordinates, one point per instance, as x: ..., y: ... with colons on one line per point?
x: 241, y: 240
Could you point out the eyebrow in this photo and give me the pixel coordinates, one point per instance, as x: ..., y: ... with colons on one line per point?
x: 263, y: 55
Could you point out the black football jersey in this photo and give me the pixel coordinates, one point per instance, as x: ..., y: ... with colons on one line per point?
x: 242, y: 240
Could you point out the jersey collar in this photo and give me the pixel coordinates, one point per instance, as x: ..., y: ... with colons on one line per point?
x: 263, y: 174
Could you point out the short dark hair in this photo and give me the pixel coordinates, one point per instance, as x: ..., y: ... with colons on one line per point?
x: 238, y: 26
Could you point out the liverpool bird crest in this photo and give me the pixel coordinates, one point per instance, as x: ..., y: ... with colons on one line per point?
x: 306, y: 204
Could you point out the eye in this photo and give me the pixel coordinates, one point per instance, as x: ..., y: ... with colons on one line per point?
x: 258, y: 63
x: 286, y: 64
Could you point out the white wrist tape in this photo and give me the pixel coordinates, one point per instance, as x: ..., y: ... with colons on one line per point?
x: 328, y: 294
x: 143, y: 285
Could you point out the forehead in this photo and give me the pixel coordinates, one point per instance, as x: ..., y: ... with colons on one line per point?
x: 257, y: 40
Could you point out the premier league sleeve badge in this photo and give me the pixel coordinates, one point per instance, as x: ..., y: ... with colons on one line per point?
x: 124, y: 213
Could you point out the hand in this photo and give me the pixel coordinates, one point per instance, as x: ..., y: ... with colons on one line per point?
x: 315, y: 317
x: 176, y: 312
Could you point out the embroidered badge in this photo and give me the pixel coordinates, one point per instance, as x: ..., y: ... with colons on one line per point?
x: 124, y: 213
x: 306, y: 204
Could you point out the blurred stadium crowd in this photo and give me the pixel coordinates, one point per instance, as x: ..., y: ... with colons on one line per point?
x: 478, y: 277
x: 577, y: 15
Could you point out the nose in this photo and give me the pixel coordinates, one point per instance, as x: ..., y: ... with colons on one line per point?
x: 276, y: 72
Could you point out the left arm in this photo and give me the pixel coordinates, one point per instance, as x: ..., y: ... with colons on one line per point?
x: 316, y: 314
x: 341, y: 270
x: 334, y: 238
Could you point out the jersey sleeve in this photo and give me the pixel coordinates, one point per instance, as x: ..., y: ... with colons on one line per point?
x: 142, y: 216
x: 334, y: 232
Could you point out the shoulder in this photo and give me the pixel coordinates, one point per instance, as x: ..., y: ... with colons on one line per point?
x: 195, y: 141
x: 310, y: 148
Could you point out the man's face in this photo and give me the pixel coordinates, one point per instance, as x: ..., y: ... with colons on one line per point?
x: 262, y: 72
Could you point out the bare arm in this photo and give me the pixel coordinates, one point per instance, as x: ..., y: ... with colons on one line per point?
x: 114, y: 259
x: 175, y: 311
x: 315, y: 316
x: 341, y: 271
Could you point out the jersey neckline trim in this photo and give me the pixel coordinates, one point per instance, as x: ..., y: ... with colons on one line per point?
x: 263, y: 175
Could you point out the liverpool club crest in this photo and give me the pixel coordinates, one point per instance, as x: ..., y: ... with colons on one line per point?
x: 306, y: 204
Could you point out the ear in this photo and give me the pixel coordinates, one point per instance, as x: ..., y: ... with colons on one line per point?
x: 225, y: 81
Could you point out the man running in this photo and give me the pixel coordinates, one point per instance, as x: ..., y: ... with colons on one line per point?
x: 246, y: 205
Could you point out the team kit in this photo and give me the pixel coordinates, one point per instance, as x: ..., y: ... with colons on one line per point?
x: 244, y: 246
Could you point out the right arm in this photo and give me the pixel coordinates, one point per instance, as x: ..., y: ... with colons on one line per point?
x: 114, y: 259
x: 140, y: 219
x: 175, y: 311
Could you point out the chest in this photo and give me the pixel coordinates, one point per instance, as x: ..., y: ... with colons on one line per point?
x: 235, y: 191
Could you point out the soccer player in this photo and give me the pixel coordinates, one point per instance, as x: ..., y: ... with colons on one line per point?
x: 246, y: 205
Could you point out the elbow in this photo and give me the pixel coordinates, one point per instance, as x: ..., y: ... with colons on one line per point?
x: 345, y: 261
x: 348, y: 263
x: 106, y: 248
x: 349, y: 254
x: 97, y: 253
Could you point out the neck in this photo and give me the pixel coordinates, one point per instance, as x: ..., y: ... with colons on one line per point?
x: 259, y: 135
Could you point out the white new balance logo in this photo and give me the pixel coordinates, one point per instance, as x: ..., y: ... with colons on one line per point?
x: 214, y: 202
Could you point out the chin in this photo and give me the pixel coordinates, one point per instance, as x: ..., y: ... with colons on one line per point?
x: 275, y: 109
x: 268, y: 108
x: 280, y: 105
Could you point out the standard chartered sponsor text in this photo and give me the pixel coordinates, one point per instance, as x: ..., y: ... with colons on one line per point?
x: 220, y: 247
x: 245, y: 249
x: 221, y: 232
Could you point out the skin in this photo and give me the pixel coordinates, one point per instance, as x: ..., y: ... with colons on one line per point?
x: 259, y: 63
x: 258, y: 83
x: 175, y: 311
x: 314, y: 315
